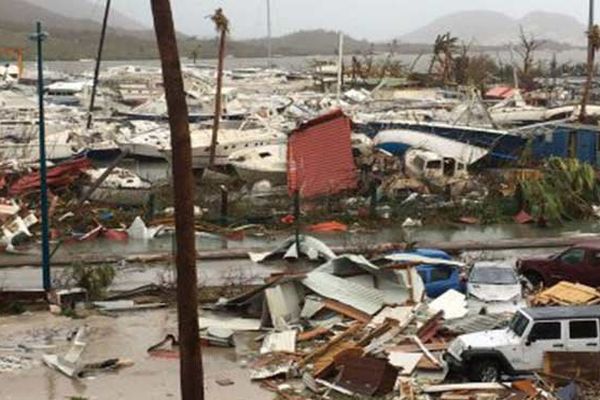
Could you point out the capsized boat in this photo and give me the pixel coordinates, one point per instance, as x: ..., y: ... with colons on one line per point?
x: 59, y: 146
x: 399, y: 141
x: 515, y: 111
x: 228, y: 142
x: 261, y: 163
x: 121, y: 187
x: 433, y: 168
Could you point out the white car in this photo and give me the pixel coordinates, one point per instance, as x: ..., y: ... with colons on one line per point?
x: 494, y: 288
x: 519, y: 348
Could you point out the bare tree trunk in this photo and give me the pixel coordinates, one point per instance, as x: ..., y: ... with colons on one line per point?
x: 590, y: 66
x: 191, y: 374
x: 217, y: 117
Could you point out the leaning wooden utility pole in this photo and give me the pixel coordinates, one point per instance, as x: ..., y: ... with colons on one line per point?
x: 590, y: 64
x: 222, y: 26
x: 191, y: 375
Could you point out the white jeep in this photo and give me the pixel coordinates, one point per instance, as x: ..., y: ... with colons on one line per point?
x: 519, y: 348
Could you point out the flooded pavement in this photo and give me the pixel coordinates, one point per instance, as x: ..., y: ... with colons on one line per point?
x: 127, y: 336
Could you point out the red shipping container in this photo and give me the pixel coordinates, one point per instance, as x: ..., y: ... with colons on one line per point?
x: 320, y: 158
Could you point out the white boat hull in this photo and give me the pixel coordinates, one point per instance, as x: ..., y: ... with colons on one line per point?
x: 120, y: 196
x: 253, y: 175
x: 31, y: 152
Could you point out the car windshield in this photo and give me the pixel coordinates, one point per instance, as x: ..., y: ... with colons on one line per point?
x: 518, y: 323
x: 493, y: 276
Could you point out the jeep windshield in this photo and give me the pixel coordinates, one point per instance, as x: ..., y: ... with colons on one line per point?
x: 518, y: 323
x: 493, y: 276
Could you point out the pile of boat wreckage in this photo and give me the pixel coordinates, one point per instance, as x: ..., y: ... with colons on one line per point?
x: 440, y: 134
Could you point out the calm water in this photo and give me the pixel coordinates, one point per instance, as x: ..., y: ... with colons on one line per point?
x: 303, y: 62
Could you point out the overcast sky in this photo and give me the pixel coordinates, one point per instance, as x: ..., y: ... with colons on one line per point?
x: 369, y: 19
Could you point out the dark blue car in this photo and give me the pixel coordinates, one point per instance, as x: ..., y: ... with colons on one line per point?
x: 439, y: 278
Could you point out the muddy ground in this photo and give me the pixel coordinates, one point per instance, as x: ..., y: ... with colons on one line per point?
x: 126, y: 336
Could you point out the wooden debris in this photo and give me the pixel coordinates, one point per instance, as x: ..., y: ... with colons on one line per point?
x: 581, y: 365
x: 312, y: 334
x: 324, y: 348
x: 567, y: 294
x: 325, y: 362
x: 346, y: 310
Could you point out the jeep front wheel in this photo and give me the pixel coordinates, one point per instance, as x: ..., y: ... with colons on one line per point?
x: 484, y: 371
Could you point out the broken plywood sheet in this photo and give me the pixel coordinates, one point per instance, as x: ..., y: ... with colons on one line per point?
x: 355, y: 295
x: 279, y: 342
x: 407, y: 362
x: 567, y: 293
x: 284, y: 304
x: 452, y: 303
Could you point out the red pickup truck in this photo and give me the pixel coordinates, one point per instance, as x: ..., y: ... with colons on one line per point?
x: 580, y: 263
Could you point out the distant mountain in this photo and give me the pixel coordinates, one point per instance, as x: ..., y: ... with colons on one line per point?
x: 70, y: 38
x: 87, y: 10
x: 556, y: 27
x: 494, y: 29
x: 311, y: 42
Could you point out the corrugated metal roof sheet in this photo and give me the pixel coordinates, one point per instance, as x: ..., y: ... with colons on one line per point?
x: 312, y: 247
x: 478, y: 323
x: 360, y: 297
x: 320, y: 158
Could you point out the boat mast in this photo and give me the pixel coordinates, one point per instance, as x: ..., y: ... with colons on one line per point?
x: 269, y: 44
x: 340, y: 66
x: 98, y: 60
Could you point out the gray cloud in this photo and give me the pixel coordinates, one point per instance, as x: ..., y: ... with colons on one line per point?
x: 370, y: 19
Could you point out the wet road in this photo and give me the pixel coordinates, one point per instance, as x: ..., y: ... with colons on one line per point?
x: 127, y: 336
x: 212, y: 273
x: 244, y: 271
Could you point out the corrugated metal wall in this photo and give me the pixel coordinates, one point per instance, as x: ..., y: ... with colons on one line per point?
x: 320, y: 158
x: 556, y: 144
